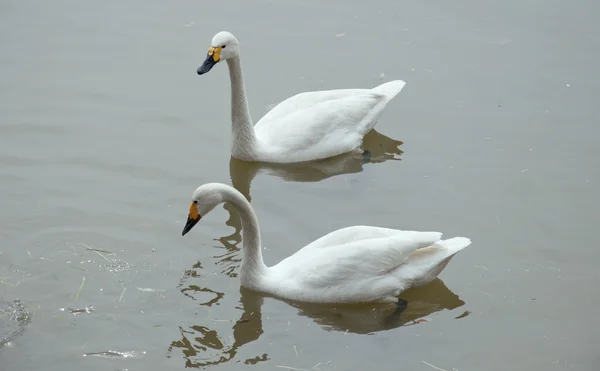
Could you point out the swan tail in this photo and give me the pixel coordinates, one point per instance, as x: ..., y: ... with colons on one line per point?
x: 390, y: 89
x: 454, y: 245
x: 384, y: 94
x: 425, y: 264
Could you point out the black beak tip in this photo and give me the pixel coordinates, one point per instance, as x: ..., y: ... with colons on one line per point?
x: 206, y: 66
x: 189, y: 225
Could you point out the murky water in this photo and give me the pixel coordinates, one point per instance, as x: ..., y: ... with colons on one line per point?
x: 105, y: 130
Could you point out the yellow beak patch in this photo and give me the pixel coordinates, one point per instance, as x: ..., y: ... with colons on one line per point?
x: 215, y: 53
x: 194, y: 212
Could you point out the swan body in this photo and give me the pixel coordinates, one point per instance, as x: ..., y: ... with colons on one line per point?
x: 308, y: 126
x: 351, y: 265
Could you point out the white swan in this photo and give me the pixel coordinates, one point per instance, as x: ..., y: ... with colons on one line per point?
x: 308, y: 126
x: 350, y: 265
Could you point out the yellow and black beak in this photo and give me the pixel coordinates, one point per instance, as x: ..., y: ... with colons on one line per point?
x: 193, y: 218
x: 212, y: 57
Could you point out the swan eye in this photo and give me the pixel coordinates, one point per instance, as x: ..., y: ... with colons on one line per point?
x: 223, y: 47
x: 196, y: 202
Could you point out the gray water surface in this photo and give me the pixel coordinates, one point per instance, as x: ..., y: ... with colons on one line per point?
x: 106, y: 130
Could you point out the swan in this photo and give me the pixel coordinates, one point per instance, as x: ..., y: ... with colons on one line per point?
x: 308, y: 126
x: 357, y: 264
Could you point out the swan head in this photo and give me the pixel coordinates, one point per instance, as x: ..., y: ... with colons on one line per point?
x: 204, y: 199
x: 222, y: 47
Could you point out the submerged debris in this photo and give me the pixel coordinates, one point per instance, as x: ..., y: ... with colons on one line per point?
x: 466, y: 313
x: 80, y: 287
x: 116, y: 354
x: 85, y: 310
x: 148, y: 289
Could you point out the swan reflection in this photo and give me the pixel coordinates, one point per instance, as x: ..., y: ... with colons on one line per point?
x: 380, y: 148
x: 202, y: 346
x: 371, y: 318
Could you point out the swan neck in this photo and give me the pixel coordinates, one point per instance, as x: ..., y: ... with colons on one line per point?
x: 242, y: 128
x: 253, y: 266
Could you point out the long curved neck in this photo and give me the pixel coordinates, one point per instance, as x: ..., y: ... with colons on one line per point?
x: 242, y: 128
x: 253, y: 266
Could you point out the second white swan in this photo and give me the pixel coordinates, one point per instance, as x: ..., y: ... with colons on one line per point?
x: 351, y: 265
x: 308, y: 126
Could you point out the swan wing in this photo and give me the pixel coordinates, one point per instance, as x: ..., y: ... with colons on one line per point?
x: 359, y: 233
x: 350, y: 272
x: 325, y: 129
x: 305, y: 100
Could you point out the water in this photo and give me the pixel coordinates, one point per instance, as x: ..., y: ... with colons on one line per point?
x: 105, y: 131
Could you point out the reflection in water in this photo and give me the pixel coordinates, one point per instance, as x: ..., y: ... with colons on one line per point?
x: 370, y: 318
x: 230, y: 259
x: 202, y: 346
x: 379, y: 147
